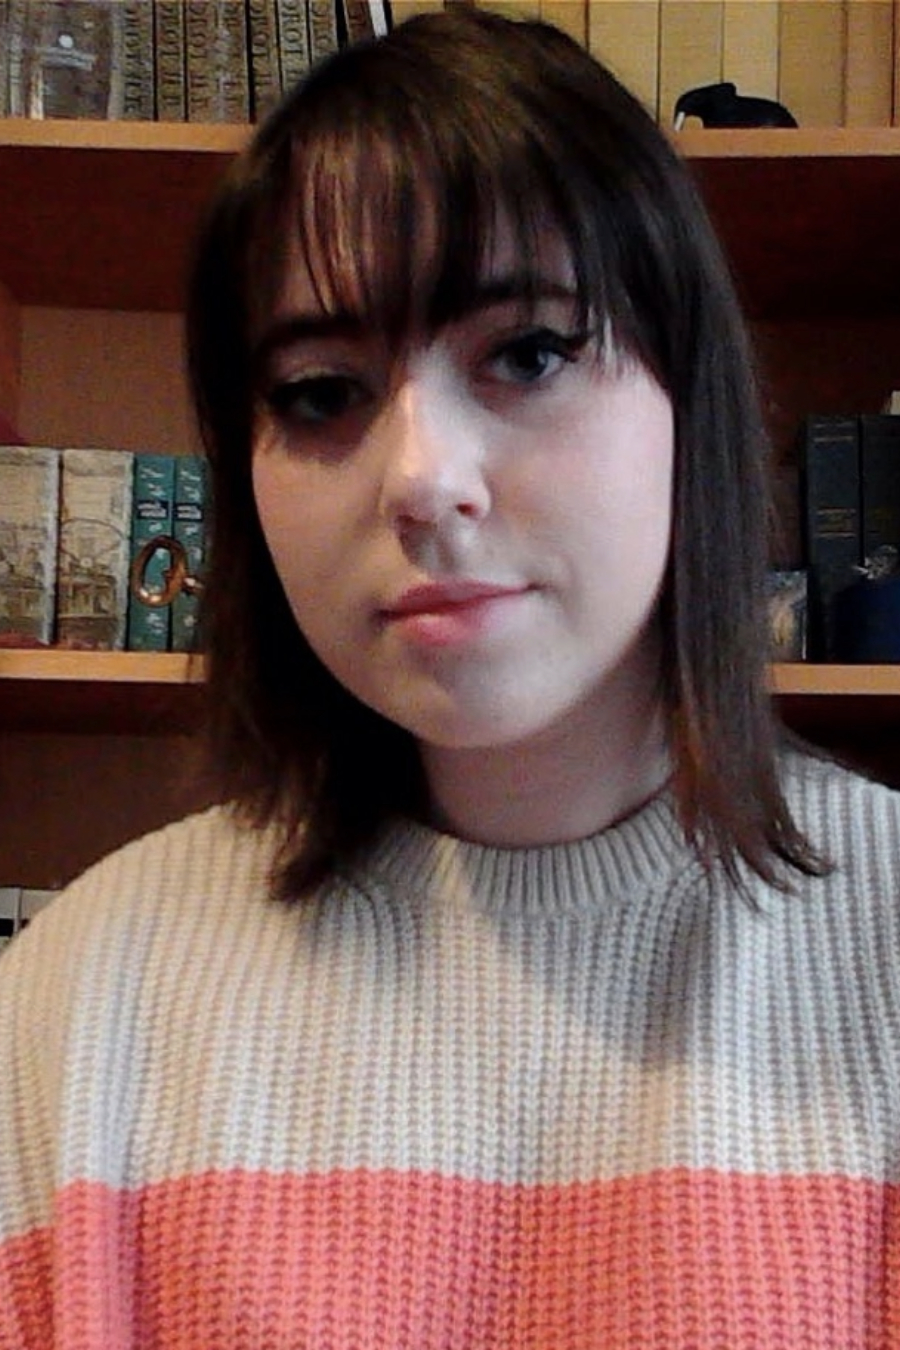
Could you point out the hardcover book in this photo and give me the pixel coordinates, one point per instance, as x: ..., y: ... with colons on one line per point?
x: 323, y: 27
x: 171, y: 60
x: 151, y: 516
x: 10, y: 913
x: 625, y: 35
x: 29, y: 515
x: 94, y: 548
x: 879, y: 449
x: 218, y: 69
x: 293, y: 41
x: 80, y: 58
x: 190, y: 531
x: 265, y: 69
x: 831, y: 511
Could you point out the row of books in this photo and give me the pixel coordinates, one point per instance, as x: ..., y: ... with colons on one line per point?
x: 100, y: 549
x: 830, y: 62
x: 850, y: 514
x: 167, y: 60
x: 18, y: 906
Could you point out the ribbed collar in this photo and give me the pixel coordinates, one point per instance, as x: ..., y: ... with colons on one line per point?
x: 645, y: 852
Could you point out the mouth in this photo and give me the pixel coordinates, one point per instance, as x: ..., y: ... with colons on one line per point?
x: 452, y: 613
x: 447, y: 598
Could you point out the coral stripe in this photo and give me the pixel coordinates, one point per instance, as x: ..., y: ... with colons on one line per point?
x: 386, y: 1259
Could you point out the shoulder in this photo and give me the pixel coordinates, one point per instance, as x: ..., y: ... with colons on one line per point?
x: 836, y: 804
x: 853, y: 821
x: 197, y: 875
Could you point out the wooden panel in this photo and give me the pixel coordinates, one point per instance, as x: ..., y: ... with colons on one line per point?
x: 66, y: 800
x: 125, y: 198
x: 809, y: 236
x: 137, y: 355
x: 10, y: 356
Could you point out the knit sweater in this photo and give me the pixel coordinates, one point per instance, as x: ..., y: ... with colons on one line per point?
x: 563, y: 1098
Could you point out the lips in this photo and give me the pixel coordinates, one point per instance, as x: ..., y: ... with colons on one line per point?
x: 453, y: 615
x: 445, y: 598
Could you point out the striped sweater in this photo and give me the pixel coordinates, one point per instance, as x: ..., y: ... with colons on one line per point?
x: 581, y: 1096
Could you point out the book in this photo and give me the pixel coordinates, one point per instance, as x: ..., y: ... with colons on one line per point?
x: 879, y: 452
x: 189, y: 529
x: 153, y: 491
x: 10, y: 913
x: 170, y: 42
x: 94, y: 548
x: 624, y: 35
x: 811, y: 61
x: 568, y: 15
x: 293, y: 41
x: 322, y: 24
x: 750, y: 46
x: 29, y: 523
x: 690, y: 50
x: 830, y: 494
x: 217, y: 63
x: 4, y: 58
x: 265, y: 69
x: 869, y: 70
x: 80, y: 59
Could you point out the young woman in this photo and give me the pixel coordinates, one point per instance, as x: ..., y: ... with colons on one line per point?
x: 527, y: 993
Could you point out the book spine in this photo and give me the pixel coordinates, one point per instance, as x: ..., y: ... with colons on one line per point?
x: 624, y: 35
x: 138, y: 61
x: 262, y: 41
x: 690, y: 50
x: 151, y: 516
x: 568, y: 15
x: 10, y: 913
x: 879, y: 449
x: 401, y: 10
x: 750, y: 46
x: 171, y: 55
x: 94, y: 548
x: 5, y: 39
x: 293, y: 41
x: 190, y: 530
x: 218, y: 72
x: 831, y: 502
x: 354, y: 21
x: 896, y: 116
x: 29, y: 525
x: 323, y: 28
x: 869, y: 74
x: 811, y: 61
x: 19, y: 18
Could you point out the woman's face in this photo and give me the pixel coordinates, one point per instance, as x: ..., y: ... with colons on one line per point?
x: 472, y: 532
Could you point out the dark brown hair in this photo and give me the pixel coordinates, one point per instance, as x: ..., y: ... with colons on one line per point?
x: 438, y: 124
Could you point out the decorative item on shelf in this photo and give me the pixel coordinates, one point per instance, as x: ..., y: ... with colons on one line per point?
x: 786, y: 594
x: 169, y: 554
x: 720, y: 105
x: 892, y: 404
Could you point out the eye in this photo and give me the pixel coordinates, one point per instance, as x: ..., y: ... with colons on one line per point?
x: 534, y: 356
x: 315, y: 400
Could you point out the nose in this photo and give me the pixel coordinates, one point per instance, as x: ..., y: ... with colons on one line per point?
x: 434, y: 457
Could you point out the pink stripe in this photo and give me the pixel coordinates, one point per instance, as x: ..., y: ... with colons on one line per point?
x: 390, y: 1260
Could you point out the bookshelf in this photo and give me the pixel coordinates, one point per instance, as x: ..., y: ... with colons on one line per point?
x: 96, y: 747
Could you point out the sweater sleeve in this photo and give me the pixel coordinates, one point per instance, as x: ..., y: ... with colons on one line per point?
x: 27, y: 1150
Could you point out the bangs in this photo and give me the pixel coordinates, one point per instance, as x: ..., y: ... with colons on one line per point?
x: 396, y: 225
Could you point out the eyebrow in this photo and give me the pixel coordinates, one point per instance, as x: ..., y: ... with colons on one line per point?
x: 502, y: 289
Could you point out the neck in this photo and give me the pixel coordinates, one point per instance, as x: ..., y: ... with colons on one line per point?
x: 595, y: 768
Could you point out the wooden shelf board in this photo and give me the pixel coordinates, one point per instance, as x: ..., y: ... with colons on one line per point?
x: 819, y: 681
x: 126, y: 197
x: 60, y: 664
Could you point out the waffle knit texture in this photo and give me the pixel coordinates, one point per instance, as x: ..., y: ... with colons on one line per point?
x: 579, y: 1097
